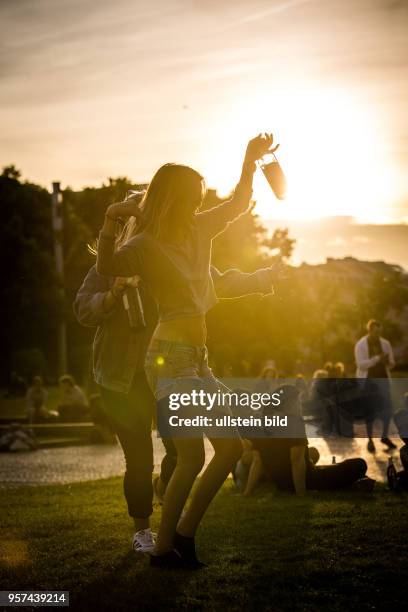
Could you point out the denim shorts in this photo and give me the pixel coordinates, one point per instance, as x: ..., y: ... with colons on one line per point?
x: 177, y: 368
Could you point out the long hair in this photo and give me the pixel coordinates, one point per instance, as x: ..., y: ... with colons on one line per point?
x: 167, y: 208
x: 172, y: 197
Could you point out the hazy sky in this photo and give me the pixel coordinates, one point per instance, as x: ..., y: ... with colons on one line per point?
x: 92, y: 89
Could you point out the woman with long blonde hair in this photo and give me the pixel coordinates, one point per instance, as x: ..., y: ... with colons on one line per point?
x: 168, y: 243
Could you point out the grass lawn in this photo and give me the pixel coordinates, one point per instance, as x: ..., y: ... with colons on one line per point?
x: 270, y: 552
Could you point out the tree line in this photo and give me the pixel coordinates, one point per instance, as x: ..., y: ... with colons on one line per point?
x: 296, y: 327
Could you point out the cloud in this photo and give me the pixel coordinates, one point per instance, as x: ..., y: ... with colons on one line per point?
x: 361, y: 239
x: 90, y: 78
x: 336, y: 241
x: 259, y: 15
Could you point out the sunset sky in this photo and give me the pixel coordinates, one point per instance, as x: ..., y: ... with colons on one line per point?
x: 97, y: 89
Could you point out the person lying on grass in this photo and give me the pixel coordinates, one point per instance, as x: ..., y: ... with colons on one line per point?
x: 290, y: 464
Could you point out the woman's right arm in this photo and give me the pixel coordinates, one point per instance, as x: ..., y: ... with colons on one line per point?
x: 127, y: 260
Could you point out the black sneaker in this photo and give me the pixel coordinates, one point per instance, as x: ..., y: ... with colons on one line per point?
x: 168, y: 560
x: 173, y: 560
x: 185, y: 547
x: 388, y: 443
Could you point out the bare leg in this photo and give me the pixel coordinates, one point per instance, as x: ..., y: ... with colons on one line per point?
x: 141, y: 523
x: 227, y: 453
x: 190, y: 460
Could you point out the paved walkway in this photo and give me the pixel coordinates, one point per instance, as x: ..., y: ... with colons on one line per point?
x: 81, y: 463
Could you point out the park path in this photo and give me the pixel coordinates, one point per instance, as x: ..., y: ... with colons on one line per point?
x: 92, y: 462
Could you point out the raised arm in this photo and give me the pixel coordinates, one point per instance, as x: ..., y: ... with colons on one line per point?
x: 215, y: 220
x: 127, y: 260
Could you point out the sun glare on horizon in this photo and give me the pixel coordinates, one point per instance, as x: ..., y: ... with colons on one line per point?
x: 331, y: 152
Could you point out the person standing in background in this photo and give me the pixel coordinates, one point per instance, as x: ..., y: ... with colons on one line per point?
x: 375, y: 359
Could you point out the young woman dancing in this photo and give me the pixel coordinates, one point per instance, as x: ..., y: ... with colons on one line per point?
x: 118, y: 368
x: 168, y: 243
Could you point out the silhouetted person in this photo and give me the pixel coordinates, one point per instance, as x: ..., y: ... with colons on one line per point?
x: 118, y: 357
x: 291, y: 465
x: 374, y: 360
x: 168, y: 244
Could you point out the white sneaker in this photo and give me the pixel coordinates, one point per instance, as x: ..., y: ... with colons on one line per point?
x: 143, y: 541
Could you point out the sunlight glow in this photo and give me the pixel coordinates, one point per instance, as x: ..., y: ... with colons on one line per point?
x: 331, y: 152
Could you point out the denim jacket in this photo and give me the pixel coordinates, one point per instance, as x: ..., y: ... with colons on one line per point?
x: 118, y: 350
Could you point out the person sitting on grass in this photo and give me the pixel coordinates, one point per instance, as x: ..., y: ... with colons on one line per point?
x: 73, y: 405
x: 36, y: 398
x: 291, y: 465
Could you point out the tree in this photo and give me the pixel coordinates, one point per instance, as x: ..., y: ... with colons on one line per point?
x: 11, y: 172
x: 30, y: 301
x: 306, y: 322
x: 281, y: 243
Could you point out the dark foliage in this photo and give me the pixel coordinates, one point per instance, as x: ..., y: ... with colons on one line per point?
x: 305, y: 322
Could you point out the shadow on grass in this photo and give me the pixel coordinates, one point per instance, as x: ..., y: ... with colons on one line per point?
x: 132, y: 584
x: 264, y: 543
x: 246, y: 543
x: 327, y: 551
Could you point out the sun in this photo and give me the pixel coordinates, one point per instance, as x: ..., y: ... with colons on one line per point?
x: 331, y: 152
